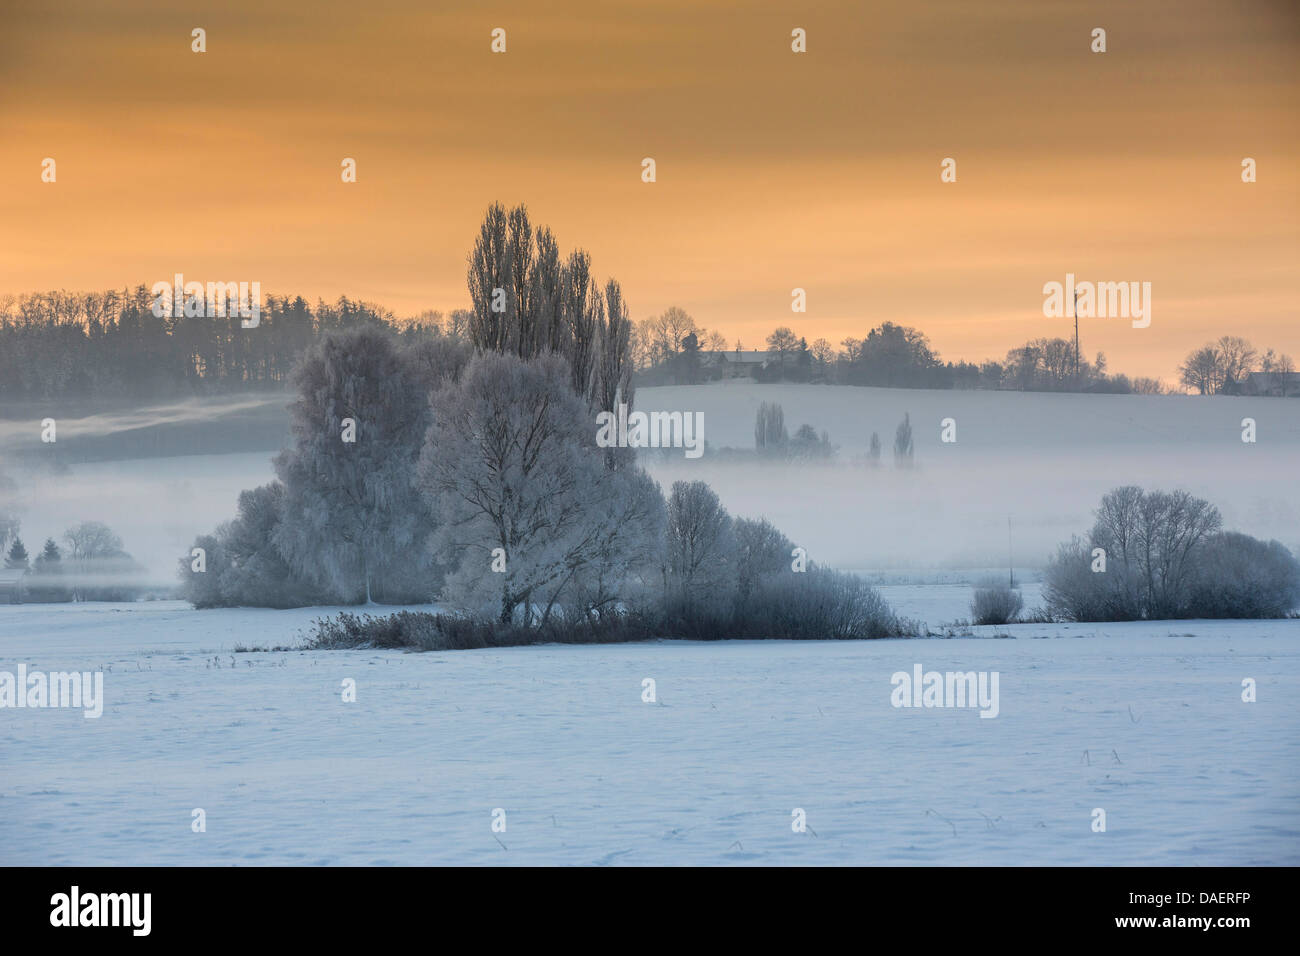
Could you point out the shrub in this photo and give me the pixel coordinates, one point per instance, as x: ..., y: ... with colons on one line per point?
x: 995, y: 603
x: 816, y: 605
x: 819, y: 604
x: 1072, y: 591
x: 1165, y: 558
x: 243, y: 564
x: 425, y: 631
x: 1239, y: 576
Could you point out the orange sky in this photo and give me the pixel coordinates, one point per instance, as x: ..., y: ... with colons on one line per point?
x: 775, y: 170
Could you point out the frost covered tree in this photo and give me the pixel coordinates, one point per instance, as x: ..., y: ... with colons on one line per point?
x: 770, y: 436
x: 807, y: 444
x: 624, y: 551
x: 700, y: 544
x: 761, y: 551
x: 1152, y: 544
x: 203, y: 588
x: 100, y: 570
x: 873, y: 450
x: 1155, y: 535
x: 434, y: 362
x: 243, y: 565
x: 352, y: 520
x: 529, y: 514
x: 1238, y: 576
x: 9, y: 525
x: 91, y: 540
x: 903, y: 443
x: 614, y: 372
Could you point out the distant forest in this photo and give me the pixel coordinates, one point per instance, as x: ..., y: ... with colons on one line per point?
x: 111, y: 345
x: 528, y: 298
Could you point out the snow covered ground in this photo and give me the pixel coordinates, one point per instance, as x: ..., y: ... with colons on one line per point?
x: 1144, y: 721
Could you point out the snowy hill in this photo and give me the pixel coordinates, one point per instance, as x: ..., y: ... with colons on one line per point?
x: 1042, y: 460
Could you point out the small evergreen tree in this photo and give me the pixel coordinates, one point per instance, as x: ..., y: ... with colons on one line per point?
x: 874, y: 451
x: 45, y: 586
x: 17, y: 559
x: 50, y: 554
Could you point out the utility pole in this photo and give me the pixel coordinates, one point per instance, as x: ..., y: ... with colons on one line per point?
x: 1011, y: 575
x: 1076, y: 338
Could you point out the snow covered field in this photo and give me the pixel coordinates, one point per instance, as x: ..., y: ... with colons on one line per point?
x: 1144, y: 721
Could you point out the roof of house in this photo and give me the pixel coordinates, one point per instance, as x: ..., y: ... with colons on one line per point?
x: 731, y: 355
x: 1271, y: 378
x: 11, y: 575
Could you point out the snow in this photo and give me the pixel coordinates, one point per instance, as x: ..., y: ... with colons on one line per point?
x: 1143, y: 720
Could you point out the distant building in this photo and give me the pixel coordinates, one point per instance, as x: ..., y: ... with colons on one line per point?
x: 733, y: 364
x: 1277, y: 384
x: 11, y: 585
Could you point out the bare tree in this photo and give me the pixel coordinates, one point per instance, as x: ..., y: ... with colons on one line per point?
x: 1147, y: 386
x: 822, y: 352
x: 91, y: 539
x: 677, y: 324
x: 519, y: 305
x: 1023, y: 366
x: 614, y: 375
x: 781, y: 341
x: 584, y: 314
x: 1285, y: 373
x: 491, y: 269
x: 1149, y: 539
x: 1277, y: 370
x: 1202, y: 370
x: 546, y: 296
x: 1236, y: 358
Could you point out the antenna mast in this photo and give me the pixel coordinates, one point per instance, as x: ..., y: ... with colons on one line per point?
x: 1011, y: 575
x: 1076, y: 338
